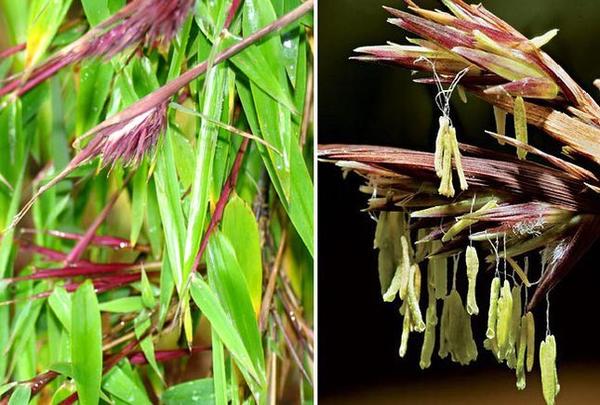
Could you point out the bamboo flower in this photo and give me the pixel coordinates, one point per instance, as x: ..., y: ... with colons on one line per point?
x: 512, y: 206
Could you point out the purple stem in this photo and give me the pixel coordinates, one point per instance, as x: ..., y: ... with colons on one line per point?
x: 112, y: 242
x: 228, y: 188
x: 231, y: 14
x: 138, y: 358
x: 50, y: 254
x: 11, y: 51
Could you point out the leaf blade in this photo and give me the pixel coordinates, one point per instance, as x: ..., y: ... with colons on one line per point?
x: 86, y: 344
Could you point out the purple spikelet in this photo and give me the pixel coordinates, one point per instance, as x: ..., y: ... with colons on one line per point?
x: 147, y: 22
x: 128, y: 142
x: 141, y: 22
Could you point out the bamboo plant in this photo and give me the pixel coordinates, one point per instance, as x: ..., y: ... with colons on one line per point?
x: 156, y: 201
x: 443, y: 217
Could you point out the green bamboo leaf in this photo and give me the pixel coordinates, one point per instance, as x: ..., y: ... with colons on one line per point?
x: 168, y: 197
x: 219, y: 374
x: 290, y: 38
x: 212, y: 104
x: 276, y: 128
x: 45, y: 16
x: 63, y: 368
x: 227, y: 143
x: 141, y: 325
x: 182, y: 148
x: 20, y: 396
x: 197, y: 392
x: 13, y: 169
x: 147, y: 294
x: 139, y: 200
x: 153, y: 223
x: 273, y: 118
x: 68, y: 36
x: 300, y: 206
x: 240, y: 227
x: 22, y: 360
x: 58, y: 339
x: 15, y: 14
x: 229, y: 282
x: 86, y: 344
x: 266, y: 56
x: 210, y: 305
x: 179, y: 46
x: 252, y: 118
x: 5, y: 67
x: 122, y: 305
x: 23, y: 326
x: 142, y: 76
x: 94, y: 87
x: 95, y: 10
x: 301, y: 82
x: 147, y: 346
x: 6, y: 387
x: 62, y: 393
x: 166, y: 290
x: 60, y: 303
x: 257, y: 68
x: 123, y: 388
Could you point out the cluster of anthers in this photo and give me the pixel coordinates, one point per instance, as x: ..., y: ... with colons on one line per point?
x: 516, y: 210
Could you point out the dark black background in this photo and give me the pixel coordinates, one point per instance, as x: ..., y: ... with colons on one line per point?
x: 358, y: 334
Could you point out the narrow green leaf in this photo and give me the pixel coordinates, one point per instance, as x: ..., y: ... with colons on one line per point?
x: 95, y: 10
x: 227, y: 144
x: 211, y: 307
x: 63, y: 368
x: 60, y: 302
x: 263, y: 62
x: 6, y: 387
x: 240, y: 227
x: 147, y: 346
x: 300, y: 207
x: 290, y: 38
x: 250, y: 112
x: 139, y: 200
x: 147, y: 294
x: 229, y: 282
x: 45, y: 16
x: 298, y: 199
x: 153, y: 223
x: 182, y: 148
x: 24, y: 322
x: 166, y: 290
x: 121, y: 386
x: 122, y: 305
x: 13, y: 169
x: 94, y: 87
x: 20, y: 396
x: 168, y: 197
x: 254, y: 65
x: 212, y: 103
x: 301, y: 83
x: 86, y: 344
x: 218, y: 365
x: 62, y: 393
x: 197, y: 392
